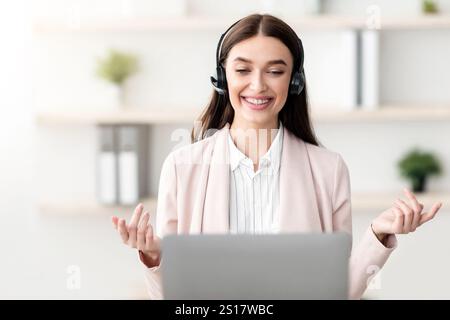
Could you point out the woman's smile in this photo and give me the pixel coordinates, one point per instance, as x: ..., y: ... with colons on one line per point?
x: 256, y: 103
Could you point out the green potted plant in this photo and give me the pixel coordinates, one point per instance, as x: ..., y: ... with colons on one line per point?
x: 116, y: 68
x: 417, y: 166
x: 429, y: 6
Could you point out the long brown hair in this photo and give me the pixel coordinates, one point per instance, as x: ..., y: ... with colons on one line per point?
x: 294, y: 115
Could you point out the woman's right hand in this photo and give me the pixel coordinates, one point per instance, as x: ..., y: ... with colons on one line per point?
x: 139, y: 234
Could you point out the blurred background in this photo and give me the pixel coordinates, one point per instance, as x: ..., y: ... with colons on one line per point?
x: 95, y: 94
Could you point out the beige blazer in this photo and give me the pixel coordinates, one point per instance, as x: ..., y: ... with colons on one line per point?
x: 193, y: 198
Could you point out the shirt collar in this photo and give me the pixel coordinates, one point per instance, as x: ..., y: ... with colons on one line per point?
x: 271, y: 159
x: 236, y: 156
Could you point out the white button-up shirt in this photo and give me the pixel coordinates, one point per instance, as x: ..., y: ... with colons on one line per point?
x: 254, y: 196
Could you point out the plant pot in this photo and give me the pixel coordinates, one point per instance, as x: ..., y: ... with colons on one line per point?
x: 116, y: 96
x: 419, y: 183
x: 122, y: 96
x: 111, y: 96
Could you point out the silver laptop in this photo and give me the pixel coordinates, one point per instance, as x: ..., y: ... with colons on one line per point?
x: 242, y: 267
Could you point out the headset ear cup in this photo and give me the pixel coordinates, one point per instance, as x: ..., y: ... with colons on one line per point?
x: 222, y: 79
x: 213, y: 79
x: 219, y: 81
x: 301, y: 82
x: 297, y: 83
x: 293, y: 87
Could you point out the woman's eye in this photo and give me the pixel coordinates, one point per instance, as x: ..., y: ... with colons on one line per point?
x: 276, y: 72
x: 271, y: 72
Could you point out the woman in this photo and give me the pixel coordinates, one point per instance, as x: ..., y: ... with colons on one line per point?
x: 262, y: 170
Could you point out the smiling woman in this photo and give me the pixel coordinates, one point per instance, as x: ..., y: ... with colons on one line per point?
x: 262, y: 170
x: 259, y: 58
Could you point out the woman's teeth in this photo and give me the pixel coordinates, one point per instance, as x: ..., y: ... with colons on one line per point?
x: 256, y: 101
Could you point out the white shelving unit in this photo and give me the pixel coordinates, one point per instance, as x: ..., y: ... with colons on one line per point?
x: 169, y: 115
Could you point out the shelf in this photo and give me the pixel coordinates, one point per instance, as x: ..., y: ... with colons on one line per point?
x: 131, y: 25
x: 220, y: 23
x: 129, y: 116
x: 383, y: 201
x: 92, y: 208
x: 385, y: 113
x: 188, y: 24
x: 189, y: 115
x: 349, y: 22
x: 361, y: 203
x: 419, y: 22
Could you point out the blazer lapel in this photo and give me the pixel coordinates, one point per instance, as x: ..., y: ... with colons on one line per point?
x: 216, y: 206
x: 298, y: 211
x: 199, y: 194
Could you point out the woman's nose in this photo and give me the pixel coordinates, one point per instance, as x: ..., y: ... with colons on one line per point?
x: 257, y: 82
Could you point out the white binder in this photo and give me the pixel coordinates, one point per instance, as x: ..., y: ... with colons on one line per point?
x: 132, y: 163
x: 107, y: 166
x: 370, y: 69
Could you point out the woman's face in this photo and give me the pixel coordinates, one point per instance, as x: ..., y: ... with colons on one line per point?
x: 258, y: 73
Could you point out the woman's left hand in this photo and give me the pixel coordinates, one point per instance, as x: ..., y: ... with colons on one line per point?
x: 403, y: 217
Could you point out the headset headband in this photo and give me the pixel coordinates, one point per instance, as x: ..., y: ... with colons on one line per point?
x: 222, y: 37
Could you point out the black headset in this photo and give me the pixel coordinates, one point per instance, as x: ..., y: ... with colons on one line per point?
x: 219, y: 79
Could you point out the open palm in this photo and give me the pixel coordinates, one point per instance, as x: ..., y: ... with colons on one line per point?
x: 403, y: 217
x: 139, y: 233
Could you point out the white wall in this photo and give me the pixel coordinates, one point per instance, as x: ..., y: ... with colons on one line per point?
x: 414, y: 67
x: 418, y: 268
